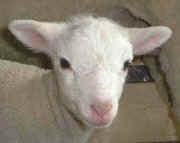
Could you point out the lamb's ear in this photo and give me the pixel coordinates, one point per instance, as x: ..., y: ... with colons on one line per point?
x: 35, y: 35
x: 144, y: 40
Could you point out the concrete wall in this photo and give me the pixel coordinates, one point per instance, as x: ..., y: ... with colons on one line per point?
x: 144, y: 12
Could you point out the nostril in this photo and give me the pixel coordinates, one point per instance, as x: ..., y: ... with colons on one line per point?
x: 101, y: 109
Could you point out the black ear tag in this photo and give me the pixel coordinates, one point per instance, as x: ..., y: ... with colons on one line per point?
x: 139, y: 74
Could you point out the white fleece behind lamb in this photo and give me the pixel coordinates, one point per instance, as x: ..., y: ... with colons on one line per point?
x: 90, y: 58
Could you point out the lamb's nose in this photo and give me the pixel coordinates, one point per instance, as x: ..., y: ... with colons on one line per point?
x: 101, y: 109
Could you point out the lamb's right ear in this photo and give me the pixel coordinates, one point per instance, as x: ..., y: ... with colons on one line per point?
x: 35, y: 35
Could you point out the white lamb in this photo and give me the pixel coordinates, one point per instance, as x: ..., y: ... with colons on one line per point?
x: 90, y: 57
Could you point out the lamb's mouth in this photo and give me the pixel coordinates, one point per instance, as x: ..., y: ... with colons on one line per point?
x: 97, y: 125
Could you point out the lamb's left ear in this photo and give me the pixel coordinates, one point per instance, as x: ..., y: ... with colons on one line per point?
x: 35, y: 35
x: 144, y: 40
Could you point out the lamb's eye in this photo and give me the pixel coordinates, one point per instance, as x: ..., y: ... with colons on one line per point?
x: 64, y: 63
x: 126, y: 65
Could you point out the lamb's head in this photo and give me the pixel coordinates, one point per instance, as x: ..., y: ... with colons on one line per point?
x: 90, y: 57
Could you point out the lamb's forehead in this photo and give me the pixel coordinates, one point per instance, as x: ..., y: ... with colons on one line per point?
x: 94, y: 41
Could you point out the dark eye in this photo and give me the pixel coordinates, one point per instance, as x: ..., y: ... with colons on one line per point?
x: 64, y: 63
x: 126, y: 65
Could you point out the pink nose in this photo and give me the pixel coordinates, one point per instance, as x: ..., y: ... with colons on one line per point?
x: 101, y: 109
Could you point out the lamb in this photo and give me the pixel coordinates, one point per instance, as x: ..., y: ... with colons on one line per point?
x: 90, y: 57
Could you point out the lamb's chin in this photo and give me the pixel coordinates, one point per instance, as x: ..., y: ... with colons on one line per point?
x: 97, y: 125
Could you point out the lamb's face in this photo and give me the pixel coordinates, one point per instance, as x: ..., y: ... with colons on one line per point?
x: 90, y: 57
x: 91, y: 69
